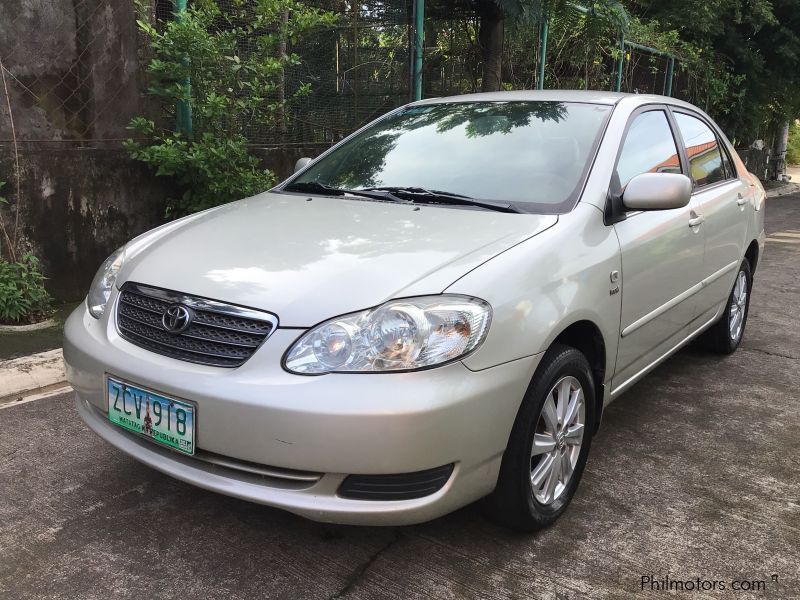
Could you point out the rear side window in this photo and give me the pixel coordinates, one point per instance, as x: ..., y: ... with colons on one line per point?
x: 648, y: 148
x: 702, y: 149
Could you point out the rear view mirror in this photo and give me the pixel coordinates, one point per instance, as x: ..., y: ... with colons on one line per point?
x: 301, y: 163
x: 657, y: 191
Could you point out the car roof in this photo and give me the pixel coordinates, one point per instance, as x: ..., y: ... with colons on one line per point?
x: 587, y: 96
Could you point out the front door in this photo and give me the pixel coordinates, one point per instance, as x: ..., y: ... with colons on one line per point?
x: 662, y: 254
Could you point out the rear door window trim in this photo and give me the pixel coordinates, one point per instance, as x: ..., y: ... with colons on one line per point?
x: 734, y: 176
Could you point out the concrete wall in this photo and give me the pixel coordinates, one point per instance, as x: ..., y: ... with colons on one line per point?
x: 73, y: 83
x: 73, y: 69
x: 756, y: 158
x: 78, y: 206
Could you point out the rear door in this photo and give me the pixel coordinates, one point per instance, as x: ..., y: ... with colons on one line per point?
x: 662, y: 252
x: 721, y: 199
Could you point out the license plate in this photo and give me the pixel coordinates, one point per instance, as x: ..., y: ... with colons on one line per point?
x: 164, y: 420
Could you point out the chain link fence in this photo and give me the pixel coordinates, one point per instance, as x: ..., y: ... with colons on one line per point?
x: 83, y: 78
x: 356, y: 71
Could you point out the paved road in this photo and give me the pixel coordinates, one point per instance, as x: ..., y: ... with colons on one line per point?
x: 695, y: 473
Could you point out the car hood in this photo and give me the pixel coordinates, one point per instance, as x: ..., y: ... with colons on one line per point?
x: 308, y: 260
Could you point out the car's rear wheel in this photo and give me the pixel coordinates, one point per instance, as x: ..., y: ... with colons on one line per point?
x: 726, y: 334
x: 549, y: 443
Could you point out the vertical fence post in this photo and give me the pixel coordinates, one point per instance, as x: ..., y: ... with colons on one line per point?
x: 670, y: 72
x: 183, y: 108
x: 419, y: 37
x: 543, y: 31
x: 620, y: 63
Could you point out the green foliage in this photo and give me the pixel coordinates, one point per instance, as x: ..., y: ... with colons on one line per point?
x: 210, y: 169
x: 701, y: 75
x: 738, y: 59
x: 575, y: 37
x: 23, y: 298
x: 580, y: 50
x: 529, y: 11
x: 793, y: 151
x: 229, y: 66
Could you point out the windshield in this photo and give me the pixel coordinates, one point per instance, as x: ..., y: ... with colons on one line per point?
x: 534, y: 154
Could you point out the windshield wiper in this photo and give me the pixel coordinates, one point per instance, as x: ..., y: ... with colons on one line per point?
x: 421, y: 195
x: 314, y: 187
x: 415, y: 195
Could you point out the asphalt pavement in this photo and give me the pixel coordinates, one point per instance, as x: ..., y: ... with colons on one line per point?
x: 694, y: 476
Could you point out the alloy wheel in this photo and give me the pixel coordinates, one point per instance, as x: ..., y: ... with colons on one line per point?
x: 557, y: 440
x: 738, y: 307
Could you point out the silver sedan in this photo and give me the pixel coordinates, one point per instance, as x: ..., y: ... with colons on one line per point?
x: 434, y: 311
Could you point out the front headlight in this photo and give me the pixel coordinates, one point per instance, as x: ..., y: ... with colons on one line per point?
x: 400, y: 335
x: 103, y: 283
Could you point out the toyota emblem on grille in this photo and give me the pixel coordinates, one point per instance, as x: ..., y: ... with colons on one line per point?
x: 177, y: 318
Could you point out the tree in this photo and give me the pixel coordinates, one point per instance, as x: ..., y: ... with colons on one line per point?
x: 491, y: 31
x: 758, y: 42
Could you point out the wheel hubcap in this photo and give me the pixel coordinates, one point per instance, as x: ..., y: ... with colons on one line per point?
x: 738, y: 307
x: 557, y: 440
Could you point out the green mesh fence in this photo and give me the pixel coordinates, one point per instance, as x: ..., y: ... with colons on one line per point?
x: 356, y: 71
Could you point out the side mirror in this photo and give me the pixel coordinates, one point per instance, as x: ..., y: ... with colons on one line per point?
x: 657, y: 191
x: 301, y: 164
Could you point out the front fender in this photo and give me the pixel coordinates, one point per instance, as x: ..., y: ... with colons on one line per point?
x: 540, y: 287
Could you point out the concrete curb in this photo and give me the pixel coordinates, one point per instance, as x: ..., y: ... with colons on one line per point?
x: 30, y: 374
x: 25, y: 328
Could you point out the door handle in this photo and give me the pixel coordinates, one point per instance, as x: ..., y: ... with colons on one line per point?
x: 697, y: 221
x: 741, y: 200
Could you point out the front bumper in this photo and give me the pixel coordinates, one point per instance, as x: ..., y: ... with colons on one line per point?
x: 333, y: 425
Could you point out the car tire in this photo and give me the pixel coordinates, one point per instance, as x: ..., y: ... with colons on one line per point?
x: 726, y: 334
x: 519, y: 501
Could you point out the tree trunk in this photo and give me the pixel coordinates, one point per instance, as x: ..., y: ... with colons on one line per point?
x: 490, y: 38
x: 781, y: 144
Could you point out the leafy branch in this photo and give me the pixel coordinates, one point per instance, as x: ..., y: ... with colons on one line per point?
x: 236, y: 62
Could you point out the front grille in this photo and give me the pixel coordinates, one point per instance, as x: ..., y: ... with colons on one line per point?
x: 219, y: 335
x: 402, y: 486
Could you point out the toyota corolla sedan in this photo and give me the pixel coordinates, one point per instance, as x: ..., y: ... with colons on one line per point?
x: 434, y: 311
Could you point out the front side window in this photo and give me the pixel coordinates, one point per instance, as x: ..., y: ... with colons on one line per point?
x: 533, y: 154
x: 648, y: 148
x: 702, y: 149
